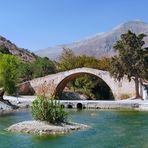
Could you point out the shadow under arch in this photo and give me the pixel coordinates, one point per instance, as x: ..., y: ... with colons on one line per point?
x: 62, y: 84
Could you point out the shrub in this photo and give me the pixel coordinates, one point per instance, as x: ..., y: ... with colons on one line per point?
x: 48, y: 110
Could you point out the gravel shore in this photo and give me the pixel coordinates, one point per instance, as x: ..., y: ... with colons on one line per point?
x: 24, y: 102
x: 18, y: 103
x: 44, y: 128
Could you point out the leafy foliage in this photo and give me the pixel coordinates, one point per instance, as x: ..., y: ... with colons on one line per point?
x: 92, y: 87
x: 69, y: 60
x: 9, y: 72
x: 42, y: 67
x: 132, y: 59
x: 82, y: 85
x: 26, y: 71
x: 38, y: 68
x: 48, y: 110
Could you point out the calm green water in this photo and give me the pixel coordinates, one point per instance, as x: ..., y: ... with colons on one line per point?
x: 109, y: 129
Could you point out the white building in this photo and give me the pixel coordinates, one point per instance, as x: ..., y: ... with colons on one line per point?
x: 145, y: 90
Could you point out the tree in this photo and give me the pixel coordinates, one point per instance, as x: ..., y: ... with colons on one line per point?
x: 131, y: 59
x: 9, y: 72
x: 86, y: 61
x: 104, y: 64
x: 42, y: 67
x: 91, y: 86
x: 67, y: 60
x: 26, y: 71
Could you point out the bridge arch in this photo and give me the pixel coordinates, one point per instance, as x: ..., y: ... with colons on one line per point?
x: 55, y: 83
x: 64, y: 81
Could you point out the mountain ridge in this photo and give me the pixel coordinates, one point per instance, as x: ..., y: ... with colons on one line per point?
x: 98, y: 45
x: 24, y: 54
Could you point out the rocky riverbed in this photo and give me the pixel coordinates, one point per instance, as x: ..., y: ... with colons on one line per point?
x: 44, y: 128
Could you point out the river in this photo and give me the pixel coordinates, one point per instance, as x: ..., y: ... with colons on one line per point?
x: 109, y: 129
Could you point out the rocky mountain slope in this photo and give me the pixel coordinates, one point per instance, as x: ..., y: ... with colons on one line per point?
x: 22, y: 53
x: 99, y: 45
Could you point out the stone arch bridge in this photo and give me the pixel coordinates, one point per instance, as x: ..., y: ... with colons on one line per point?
x: 55, y: 83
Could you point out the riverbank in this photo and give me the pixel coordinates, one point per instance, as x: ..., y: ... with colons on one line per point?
x: 17, y: 104
x: 136, y: 104
x: 44, y: 128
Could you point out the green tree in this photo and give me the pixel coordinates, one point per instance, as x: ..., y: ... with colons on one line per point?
x: 131, y: 59
x: 9, y: 72
x: 67, y: 60
x: 42, y: 67
x: 84, y: 85
x: 91, y: 86
x: 86, y: 61
x: 104, y: 64
x: 26, y: 71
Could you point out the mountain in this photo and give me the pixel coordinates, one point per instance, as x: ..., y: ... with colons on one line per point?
x: 22, y: 53
x: 99, y: 45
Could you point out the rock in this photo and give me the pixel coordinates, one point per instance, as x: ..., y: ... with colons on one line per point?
x: 25, y: 89
x: 44, y: 128
x: 73, y: 96
x: 2, y: 91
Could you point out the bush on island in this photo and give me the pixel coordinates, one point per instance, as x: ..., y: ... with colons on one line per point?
x: 48, y: 109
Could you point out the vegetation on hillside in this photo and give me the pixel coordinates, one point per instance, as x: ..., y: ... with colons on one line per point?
x: 38, y: 68
x: 14, y: 71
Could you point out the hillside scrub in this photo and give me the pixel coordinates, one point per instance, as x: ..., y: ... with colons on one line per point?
x: 38, y: 68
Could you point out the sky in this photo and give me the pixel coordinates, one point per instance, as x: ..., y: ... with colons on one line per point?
x: 38, y: 24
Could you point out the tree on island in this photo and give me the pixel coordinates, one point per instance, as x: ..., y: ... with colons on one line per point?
x: 132, y: 59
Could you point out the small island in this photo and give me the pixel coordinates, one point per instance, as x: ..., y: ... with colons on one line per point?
x: 45, y: 128
x: 50, y: 119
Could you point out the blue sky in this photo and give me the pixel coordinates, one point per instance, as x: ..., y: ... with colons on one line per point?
x: 38, y: 24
